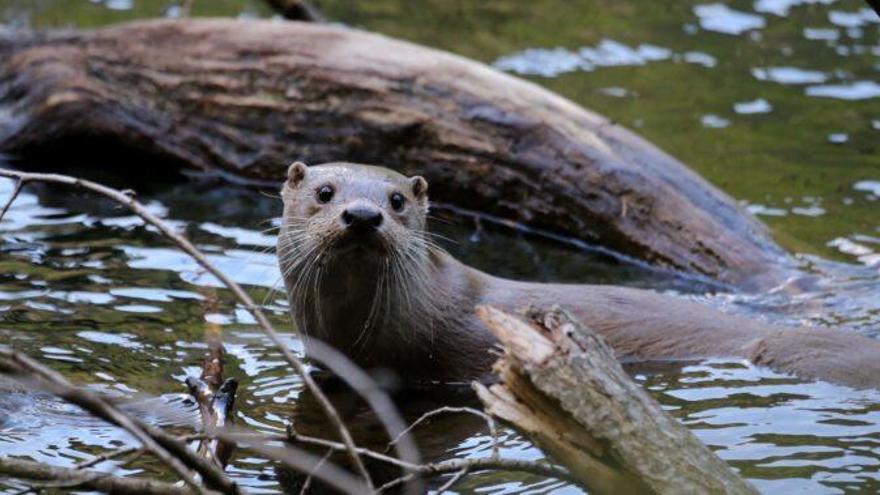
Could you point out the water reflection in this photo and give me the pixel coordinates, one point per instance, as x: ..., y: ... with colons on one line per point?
x: 824, y: 437
x: 751, y: 107
x: 607, y: 53
x: 89, y: 289
x: 752, y: 416
x: 720, y: 18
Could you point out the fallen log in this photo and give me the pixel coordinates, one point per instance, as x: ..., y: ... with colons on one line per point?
x: 248, y: 97
x: 563, y: 387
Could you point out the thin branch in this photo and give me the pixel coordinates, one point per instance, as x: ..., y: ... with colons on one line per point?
x: 443, y: 467
x: 493, y: 430
x: 167, y: 448
x: 86, y: 479
x: 23, y: 368
x: 184, y: 244
x: 308, y: 482
x: 395, y: 483
x: 123, y: 451
x: 113, y: 454
x: 15, y: 192
x: 297, y: 459
x: 452, y: 481
x: 379, y: 401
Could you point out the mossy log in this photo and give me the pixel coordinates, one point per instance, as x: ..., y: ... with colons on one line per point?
x: 248, y: 97
x: 564, y: 389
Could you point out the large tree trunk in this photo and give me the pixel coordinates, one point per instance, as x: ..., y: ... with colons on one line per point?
x: 248, y: 97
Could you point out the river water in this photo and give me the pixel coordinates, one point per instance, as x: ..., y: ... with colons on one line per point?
x: 775, y: 101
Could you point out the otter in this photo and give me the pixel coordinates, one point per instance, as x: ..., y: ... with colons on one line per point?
x: 363, y: 275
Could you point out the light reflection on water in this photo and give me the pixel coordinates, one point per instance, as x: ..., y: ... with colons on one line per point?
x: 105, y: 301
x: 64, y: 308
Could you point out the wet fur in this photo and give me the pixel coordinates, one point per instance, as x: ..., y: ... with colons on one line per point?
x: 406, y: 305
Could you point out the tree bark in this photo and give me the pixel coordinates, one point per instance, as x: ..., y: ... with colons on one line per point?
x: 563, y: 387
x: 249, y: 97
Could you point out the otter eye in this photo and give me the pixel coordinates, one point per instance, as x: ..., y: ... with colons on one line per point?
x: 325, y: 194
x: 397, y: 201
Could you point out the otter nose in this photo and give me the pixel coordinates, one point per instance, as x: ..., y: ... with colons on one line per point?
x: 362, y: 218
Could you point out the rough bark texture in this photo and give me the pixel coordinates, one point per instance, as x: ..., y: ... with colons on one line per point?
x: 564, y: 388
x: 249, y: 97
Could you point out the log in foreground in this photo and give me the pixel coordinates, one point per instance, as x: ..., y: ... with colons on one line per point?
x: 249, y: 97
x: 563, y: 387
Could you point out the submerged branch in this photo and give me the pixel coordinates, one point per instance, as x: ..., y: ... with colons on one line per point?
x: 239, y: 293
x: 170, y: 450
x: 86, y: 479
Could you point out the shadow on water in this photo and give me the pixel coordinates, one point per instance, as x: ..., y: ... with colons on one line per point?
x: 780, y: 109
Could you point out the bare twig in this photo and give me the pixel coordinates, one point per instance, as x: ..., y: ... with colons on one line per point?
x: 23, y: 368
x: 308, y: 481
x: 15, y: 192
x: 113, y: 454
x: 87, y: 480
x: 493, y: 430
x: 378, y: 400
x: 297, y: 459
x: 452, y: 481
x: 443, y: 467
x: 123, y: 451
x: 184, y: 244
x: 394, y: 483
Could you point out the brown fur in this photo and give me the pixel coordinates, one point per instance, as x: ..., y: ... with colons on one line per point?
x: 425, y: 329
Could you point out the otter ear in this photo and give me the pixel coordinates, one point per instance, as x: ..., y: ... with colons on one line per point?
x: 419, y: 186
x: 296, y: 172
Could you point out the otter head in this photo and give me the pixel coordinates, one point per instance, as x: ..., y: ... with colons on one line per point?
x: 344, y: 210
x: 353, y: 250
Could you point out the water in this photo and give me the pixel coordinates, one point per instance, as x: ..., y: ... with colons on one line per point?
x: 753, y: 95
